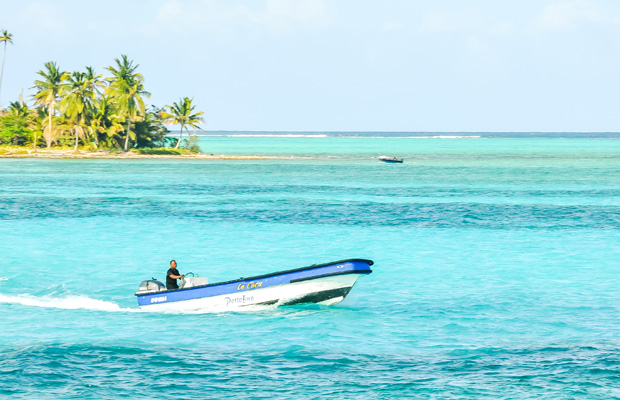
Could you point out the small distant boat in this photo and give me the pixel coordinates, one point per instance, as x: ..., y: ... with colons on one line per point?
x: 326, y: 284
x: 387, y: 159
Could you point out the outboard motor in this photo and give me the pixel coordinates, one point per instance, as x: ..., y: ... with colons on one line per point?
x: 151, y: 286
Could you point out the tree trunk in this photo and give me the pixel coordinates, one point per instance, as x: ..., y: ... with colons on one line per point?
x: 77, y: 132
x: 179, y: 141
x: 2, y: 71
x: 127, y: 137
x: 48, y: 138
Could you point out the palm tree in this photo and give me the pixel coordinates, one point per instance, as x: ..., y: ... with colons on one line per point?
x: 39, y: 116
x: 18, y: 109
x: 78, y: 104
x: 5, y: 37
x: 48, y: 92
x: 181, y: 114
x: 126, y: 89
x: 106, y: 124
x: 95, y: 81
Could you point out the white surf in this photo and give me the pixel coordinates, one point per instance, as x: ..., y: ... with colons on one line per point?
x: 69, y: 302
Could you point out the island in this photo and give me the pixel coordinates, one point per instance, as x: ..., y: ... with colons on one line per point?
x: 83, y: 114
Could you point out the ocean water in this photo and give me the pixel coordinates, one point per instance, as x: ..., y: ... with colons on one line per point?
x: 497, y: 270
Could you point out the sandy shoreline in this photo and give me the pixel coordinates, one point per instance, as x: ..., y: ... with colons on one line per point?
x: 82, y: 154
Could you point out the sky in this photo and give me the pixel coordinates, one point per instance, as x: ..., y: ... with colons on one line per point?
x: 342, y: 65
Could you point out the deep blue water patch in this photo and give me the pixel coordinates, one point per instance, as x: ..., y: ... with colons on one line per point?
x: 362, y: 213
x: 105, y: 371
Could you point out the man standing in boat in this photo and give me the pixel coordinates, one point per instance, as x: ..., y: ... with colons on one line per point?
x: 172, y: 275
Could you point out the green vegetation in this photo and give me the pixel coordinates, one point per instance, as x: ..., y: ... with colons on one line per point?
x: 181, y: 114
x: 16, y: 125
x: 83, y: 109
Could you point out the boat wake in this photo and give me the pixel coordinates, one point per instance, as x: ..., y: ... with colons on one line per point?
x: 73, y: 302
x: 70, y: 302
x: 3, y: 278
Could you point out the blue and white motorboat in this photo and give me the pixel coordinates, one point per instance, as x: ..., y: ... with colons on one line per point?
x: 387, y: 159
x: 323, y: 284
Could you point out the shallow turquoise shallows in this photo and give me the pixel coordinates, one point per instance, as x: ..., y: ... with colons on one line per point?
x: 497, y: 270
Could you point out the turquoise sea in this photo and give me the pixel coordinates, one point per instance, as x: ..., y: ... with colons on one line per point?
x: 497, y: 270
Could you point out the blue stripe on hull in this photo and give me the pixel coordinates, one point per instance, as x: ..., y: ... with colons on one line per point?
x: 242, y: 285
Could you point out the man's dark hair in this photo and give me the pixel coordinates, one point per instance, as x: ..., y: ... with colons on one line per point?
x: 171, y: 261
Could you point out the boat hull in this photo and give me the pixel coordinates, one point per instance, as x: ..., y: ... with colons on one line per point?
x: 323, y: 284
x: 387, y: 159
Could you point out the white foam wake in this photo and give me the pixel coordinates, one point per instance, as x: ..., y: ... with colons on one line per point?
x: 72, y: 302
x: 3, y: 278
x: 69, y: 302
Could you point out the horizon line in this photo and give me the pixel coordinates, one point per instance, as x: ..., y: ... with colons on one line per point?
x: 373, y: 131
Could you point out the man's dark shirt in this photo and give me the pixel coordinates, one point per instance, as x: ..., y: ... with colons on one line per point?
x: 171, y: 283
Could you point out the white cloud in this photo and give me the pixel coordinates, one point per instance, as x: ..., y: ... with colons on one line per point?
x: 468, y: 21
x: 567, y: 15
x: 211, y: 15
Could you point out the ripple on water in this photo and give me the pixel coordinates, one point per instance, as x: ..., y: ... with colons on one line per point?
x: 101, y: 371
